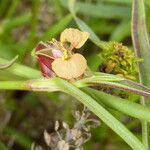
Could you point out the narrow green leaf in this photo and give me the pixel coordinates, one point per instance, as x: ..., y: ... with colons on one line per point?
x: 2, y: 146
x: 102, y: 113
x: 57, y: 84
x: 21, y: 70
x: 125, y: 106
x: 57, y: 28
x: 17, y: 21
x: 119, y: 1
x: 121, y: 31
x: 58, y: 8
x: 141, y: 40
x: 3, y: 6
x: 50, y: 85
x: 33, y: 24
x: 115, y: 82
x: 84, y: 27
x: 12, y: 8
x: 100, y: 10
x: 8, y: 64
x: 94, y: 65
x: 141, y: 45
x: 19, y: 137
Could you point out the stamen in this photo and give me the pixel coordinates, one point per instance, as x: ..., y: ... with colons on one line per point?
x: 65, y: 55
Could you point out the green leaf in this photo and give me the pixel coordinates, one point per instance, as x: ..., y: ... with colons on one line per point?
x: 121, y: 31
x: 8, y: 64
x: 93, y: 65
x: 2, y: 146
x: 100, y: 10
x: 141, y: 45
x: 93, y: 37
x: 102, y: 113
x: 84, y: 27
x: 57, y: 84
x: 125, y: 106
x: 20, y: 138
x: 12, y: 8
x: 57, y: 28
x: 119, y: 1
x: 116, y: 82
x: 141, y: 40
x: 20, y: 70
x: 14, y: 22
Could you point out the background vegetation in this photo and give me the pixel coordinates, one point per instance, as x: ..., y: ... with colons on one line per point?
x: 25, y: 115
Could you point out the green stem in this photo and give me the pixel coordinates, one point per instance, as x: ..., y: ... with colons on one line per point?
x: 125, y: 106
x: 83, y: 26
x: 14, y: 85
x: 21, y: 70
x: 12, y: 8
x: 31, y: 85
x: 121, y: 105
x: 57, y: 84
x: 142, y: 48
x: 34, y: 23
x: 2, y: 146
x: 102, y: 113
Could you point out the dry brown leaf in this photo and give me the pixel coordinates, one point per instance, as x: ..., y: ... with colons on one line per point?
x: 62, y: 145
x: 76, y: 37
x: 71, y: 68
x: 47, y: 138
x: 56, y: 125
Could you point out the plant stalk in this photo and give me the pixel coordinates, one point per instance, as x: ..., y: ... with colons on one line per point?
x: 142, y: 48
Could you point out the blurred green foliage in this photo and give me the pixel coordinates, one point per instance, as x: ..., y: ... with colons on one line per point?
x: 26, y: 22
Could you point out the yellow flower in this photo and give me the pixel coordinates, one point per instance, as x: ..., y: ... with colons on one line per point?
x: 75, y: 37
x: 70, y: 65
x: 56, y: 58
x: 71, y: 68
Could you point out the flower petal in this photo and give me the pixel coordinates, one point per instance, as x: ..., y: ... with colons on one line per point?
x: 41, y: 46
x: 57, y: 53
x: 76, y: 37
x: 45, y: 66
x: 71, y: 68
x: 44, y: 61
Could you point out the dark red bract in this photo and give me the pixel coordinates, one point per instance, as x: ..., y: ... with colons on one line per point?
x: 44, y: 61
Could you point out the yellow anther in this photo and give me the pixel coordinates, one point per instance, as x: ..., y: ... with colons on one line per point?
x: 65, y: 54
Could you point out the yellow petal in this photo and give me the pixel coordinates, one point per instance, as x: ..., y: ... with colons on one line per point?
x: 76, y: 37
x: 71, y: 68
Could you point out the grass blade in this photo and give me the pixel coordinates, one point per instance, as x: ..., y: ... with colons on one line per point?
x: 142, y: 48
x: 115, y: 82
x: 57, y: 28
x: 102, y: 113
x: 121, y: 31
x: 21, y: 70
x: 125, y: 106
x: 7, y: 65
x: 100, y: 10
x: 2, y: 146
x: 84, y: 27
x: 19, y: 137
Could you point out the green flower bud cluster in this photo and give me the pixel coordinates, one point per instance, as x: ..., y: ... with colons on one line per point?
x: 119, y: 60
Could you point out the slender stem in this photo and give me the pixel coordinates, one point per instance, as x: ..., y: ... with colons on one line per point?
x: 142, y: 47
x: 31, y: 85
x: 21, y: 70
x: 119, y: 104
x: 145, y: 135
x: 14, y: 85
x: 50, y: 85
x: 102, y: 113
x: 57, y: 84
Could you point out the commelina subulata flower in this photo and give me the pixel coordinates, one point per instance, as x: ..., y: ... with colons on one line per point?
x: 56, y: 58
